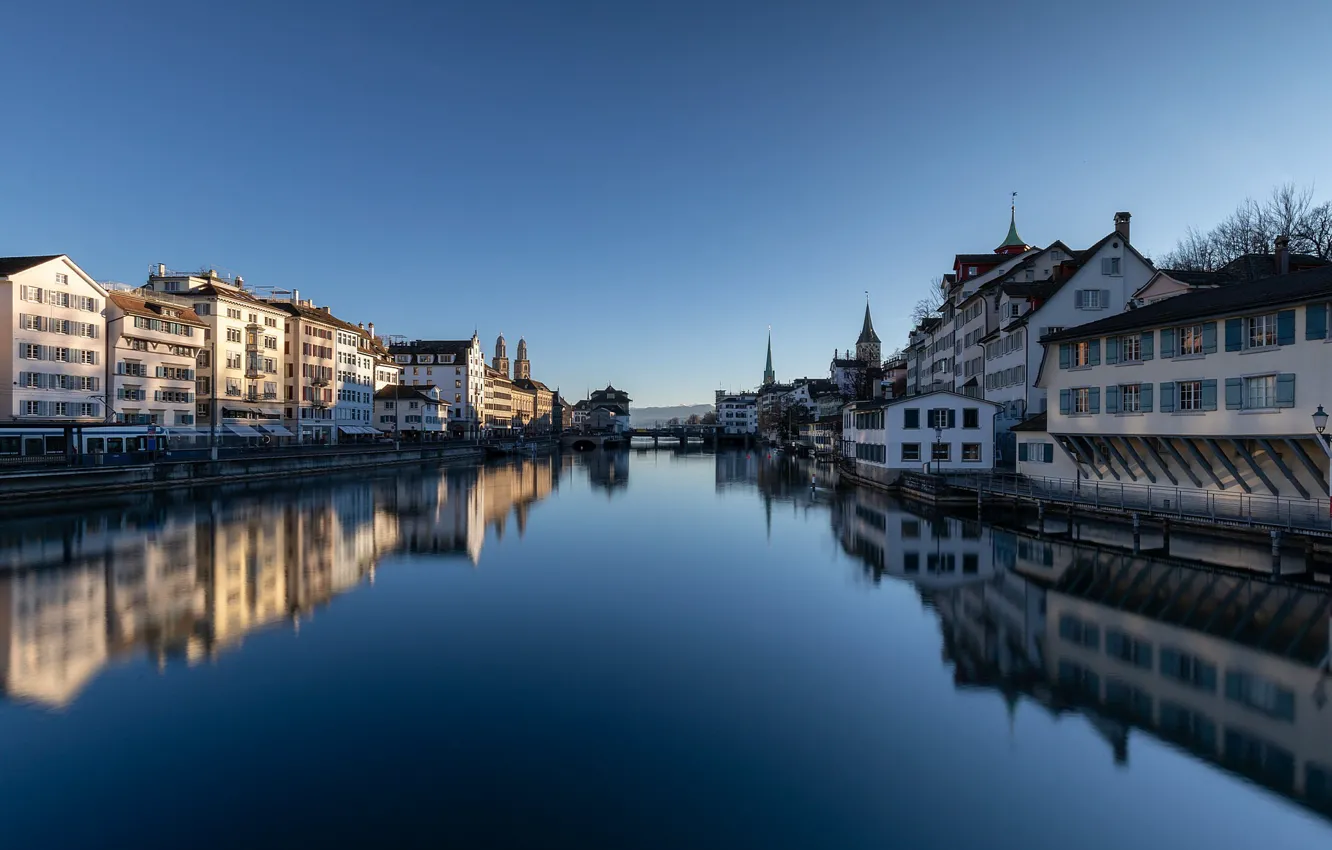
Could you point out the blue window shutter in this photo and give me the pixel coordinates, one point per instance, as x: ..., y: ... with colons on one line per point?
x: 1022, y: 452
x: 1234, y: 393
x: 1315, y: 321
x: 1167, y: 396
x: 1285, y: 389
x: 1146, y: 345
x: 1049, y: 452
x: 1111, y: 350
x: 1209, y: 338
x: 1145, y: 398
x: 1234, y: 334
x: 1065, y: 355
x: 1077, y: 300
x: 1094, y: 399
x: 1209, y: 394
x: 1065, y: 401
x: 1286, y: 327
x: 1105, y: 299
x: 1168, y: 342
x: 1112, y: 399
x: 1094, y: 358
x: 952, y: 418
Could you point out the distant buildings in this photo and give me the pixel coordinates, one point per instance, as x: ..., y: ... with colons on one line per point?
x: 415, y: 411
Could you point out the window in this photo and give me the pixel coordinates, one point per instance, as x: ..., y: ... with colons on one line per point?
x: 1260, y: 694
x: 971, y: 452
x: 1078, y: 632
x: 1014, y: 309
x: 1262, y: 330
x: 233, y: 335
x: 911, y: 451
x: 971, y: 270
x: 1082, y: 400
x: 1190, y: 340
x: 941, y: 451
x: 1091, y: 299
x: 970, y: 417
x: 32, y: 408
x: 1190, y: 669
x: 1190, y: 395
x: 911, y: 418
x: 1110, y: 265
x: 1130, y: 348
x: 1128, y: 649
x: 1082, y: 353
x: 1130, y: 398
x: 1260, y: 392
x: 62, y: 278
x: 939, y: 417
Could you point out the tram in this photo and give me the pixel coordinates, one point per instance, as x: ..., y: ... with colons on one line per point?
x: 89, y: 439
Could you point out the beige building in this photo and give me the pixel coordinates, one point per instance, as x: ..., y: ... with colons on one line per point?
x: 236, y: 386
x: 53, y: 360
x: 52, y: 631
x: 152, y: 344
x: 498, y: 406
x: 310, y: 393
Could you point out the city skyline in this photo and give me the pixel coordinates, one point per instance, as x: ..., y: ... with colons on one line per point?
x: 640, y: 192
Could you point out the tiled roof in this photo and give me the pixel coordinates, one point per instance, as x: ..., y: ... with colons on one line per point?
x: 1211, y: 303
x: 14, y: 265
x: 1031, y: 423
x: 394, y: 391
x: 134, y: 305
x: 457, y: 347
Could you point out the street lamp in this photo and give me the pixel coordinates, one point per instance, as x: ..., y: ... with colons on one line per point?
x: 938, y: 441
x: 1320, y: 424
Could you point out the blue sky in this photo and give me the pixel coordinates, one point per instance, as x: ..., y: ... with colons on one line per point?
x: 639, y: 188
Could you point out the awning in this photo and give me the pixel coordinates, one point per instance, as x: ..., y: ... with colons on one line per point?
x: 243, y: 431
x: 269, y: 411
x: 277, y: 429
x: 357, y: 429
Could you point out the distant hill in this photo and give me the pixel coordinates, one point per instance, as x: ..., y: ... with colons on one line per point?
x: 646, y: 417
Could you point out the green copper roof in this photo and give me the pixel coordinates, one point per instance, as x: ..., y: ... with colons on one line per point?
x: 1013, y: 240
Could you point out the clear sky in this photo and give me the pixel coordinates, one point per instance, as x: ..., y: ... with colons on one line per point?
x: 639, y: 188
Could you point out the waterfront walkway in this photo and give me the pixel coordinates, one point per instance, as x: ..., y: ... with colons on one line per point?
x: 1206, y: 506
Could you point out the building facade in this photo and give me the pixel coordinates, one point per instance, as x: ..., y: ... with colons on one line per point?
x: 457, y: 367
x: 54, y: 359
x: 153, y: 342
x: 411, y: 411
x: 938, y: 431
x: 737, y: 413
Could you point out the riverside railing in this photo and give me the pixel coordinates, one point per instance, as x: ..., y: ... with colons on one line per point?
x: 1236, y: 508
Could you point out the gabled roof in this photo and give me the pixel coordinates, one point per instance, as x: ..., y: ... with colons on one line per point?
x: 1032, y: 423
x: 1293, y: 288
x: 920, y: 396
x: 136, y: 306
x: 396, y: 391
x: 990, y: 259
x: 1038, y: 289
x: 14, y: 265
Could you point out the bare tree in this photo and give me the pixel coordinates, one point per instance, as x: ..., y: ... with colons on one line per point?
x: 931, y: 305
x: 1253, y: 228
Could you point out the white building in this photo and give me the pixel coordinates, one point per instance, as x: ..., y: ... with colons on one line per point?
x: 152, y: 341
x: 457, y: 367
x: 53, y: 361
x: 942, y: 430
x: 354, y: 382
x: 411, y: 410
x: 1210, y: 390
x: 239, y: 371
x: 737, y: 413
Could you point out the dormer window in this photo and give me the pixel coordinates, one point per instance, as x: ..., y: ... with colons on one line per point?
x: 971, y: 271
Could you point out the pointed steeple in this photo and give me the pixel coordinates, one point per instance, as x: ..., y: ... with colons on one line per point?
x: 867, y: 333
x: 769, y: 376
x: 1013, y: 243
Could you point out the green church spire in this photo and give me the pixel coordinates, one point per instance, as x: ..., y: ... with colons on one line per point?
x: 769, y: 377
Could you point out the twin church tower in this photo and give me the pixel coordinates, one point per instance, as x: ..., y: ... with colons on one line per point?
x: 522, y: 367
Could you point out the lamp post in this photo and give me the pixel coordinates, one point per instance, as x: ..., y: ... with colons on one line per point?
x: 938, y: 441
x: 1320, y: 425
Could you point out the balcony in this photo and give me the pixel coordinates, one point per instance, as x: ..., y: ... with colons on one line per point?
x: 234, y: 392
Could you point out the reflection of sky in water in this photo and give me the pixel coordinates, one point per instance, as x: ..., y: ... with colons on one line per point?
x: 721, y: 654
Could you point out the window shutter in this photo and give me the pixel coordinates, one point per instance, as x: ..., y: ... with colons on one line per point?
x: 1234, y: 393
x: 1105, y: 265
x: 1145, y: 398
x: 1168, y: 342
x: 1105, y: 299
x: 1145, y: 346
x: 1065, y: 355
x: 1112, y: 399
x: 1111, y: 350
x: 1077, y: 300
x: 1315, y: 321
x: 1065, y: 401
x: 1286, y: 327
x: 1234, y: 334
x: 1209, y: 394
x: 1094, y: 399
x: 952, y: 418
x: 1094, y: 355
x: 1209, y: 338
x: 1049, y: 452
x: 1167, y: 396
x: 1285, y: 389
x: 1022, y: 452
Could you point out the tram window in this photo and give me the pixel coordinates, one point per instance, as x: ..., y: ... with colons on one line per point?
x: 9, y: 445
x: 115, y: 445
x: 96, y: 445
x: 55, y: 445
x: 32, y: 446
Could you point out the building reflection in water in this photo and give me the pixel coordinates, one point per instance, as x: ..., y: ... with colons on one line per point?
x: 606, y: 470
x: 189, y: 579
x: 1229, y: 665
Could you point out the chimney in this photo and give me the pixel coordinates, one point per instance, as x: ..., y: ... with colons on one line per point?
x: 371, y: 328
x: 161, y: 269
x: 1282, y: 259
x: 323, y: 309
x: 296, y: 296
x: 240, y: 282
x: 1122, y: 224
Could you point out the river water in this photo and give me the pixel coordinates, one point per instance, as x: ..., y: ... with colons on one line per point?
x: 644, y: 649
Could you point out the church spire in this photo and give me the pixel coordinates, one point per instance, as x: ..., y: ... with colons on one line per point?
x: 867, y: 333
x: 769, y: 377
x: 1013, y: 243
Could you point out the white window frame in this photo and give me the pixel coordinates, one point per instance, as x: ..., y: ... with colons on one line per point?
x: 1082, y: 353
x: 1193, y: 334
x: 1134, y: 342
x: 1194, y: 402
x: 1127, y: 392
x: 1091, y: 299
x: 1259, y: 396
x: 1081, y: 400
x: 1260, y: 331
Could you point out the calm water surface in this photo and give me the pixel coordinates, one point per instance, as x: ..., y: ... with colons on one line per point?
x: 639, y: 650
